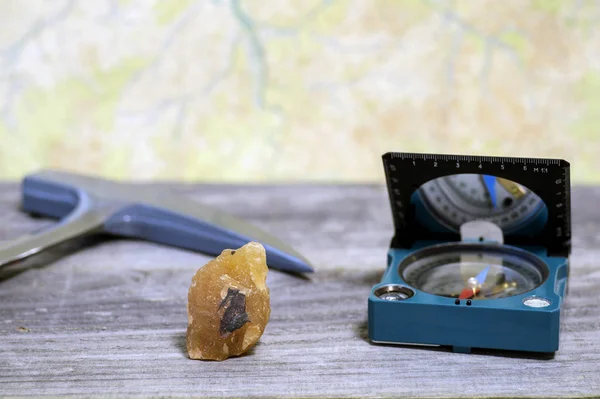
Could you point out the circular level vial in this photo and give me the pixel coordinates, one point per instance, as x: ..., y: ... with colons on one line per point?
x: 536, y: 302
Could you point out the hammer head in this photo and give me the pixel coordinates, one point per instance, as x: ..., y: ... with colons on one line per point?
x: 151, y: 213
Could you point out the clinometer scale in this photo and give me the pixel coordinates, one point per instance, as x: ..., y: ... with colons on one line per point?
x: 479, y: 257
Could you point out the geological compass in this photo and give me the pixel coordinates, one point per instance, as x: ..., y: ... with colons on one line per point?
x: 479, y: 257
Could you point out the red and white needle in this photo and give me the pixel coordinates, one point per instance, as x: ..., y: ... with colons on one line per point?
x: 474, y: 285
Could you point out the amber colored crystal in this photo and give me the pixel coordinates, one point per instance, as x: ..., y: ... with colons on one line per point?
x: 228, y: 304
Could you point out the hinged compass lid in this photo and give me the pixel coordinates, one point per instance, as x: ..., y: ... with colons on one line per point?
x: 431, y: 196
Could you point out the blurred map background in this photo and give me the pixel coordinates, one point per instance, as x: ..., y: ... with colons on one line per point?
x: 279, y: 90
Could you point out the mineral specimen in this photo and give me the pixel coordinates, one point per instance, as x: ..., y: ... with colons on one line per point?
x: 228, y: 304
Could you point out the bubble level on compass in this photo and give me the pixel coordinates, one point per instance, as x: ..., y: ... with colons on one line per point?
x: 473, y: 271
x: 457, y: 199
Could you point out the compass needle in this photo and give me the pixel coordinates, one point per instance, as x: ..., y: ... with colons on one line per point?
x: 474, y: 284
x: 482, y: 275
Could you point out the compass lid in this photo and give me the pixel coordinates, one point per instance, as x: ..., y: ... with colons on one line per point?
x: 548, y: 180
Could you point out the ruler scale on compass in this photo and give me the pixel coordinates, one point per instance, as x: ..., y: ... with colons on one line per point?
x: 479, y: 254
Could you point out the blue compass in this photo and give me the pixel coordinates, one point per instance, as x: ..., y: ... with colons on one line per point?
x: 479, y: 257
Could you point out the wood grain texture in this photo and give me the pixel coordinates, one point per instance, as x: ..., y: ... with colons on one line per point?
x: 102, y: 317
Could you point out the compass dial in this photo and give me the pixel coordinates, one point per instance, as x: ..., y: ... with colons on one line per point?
x: 473, y: 271
x: 457, y: 199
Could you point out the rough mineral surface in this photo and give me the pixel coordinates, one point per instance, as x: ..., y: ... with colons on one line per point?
x: 228, y: 304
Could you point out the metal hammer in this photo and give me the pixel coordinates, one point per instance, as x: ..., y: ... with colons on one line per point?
x: 88, y: 205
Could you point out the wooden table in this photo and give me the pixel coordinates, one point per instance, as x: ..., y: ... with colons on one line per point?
x: 105, y: 317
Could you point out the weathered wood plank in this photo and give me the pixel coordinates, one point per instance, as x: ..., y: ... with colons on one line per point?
x: 110, y: 319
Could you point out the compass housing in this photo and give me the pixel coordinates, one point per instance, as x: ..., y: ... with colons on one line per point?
x: 528, y: 320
